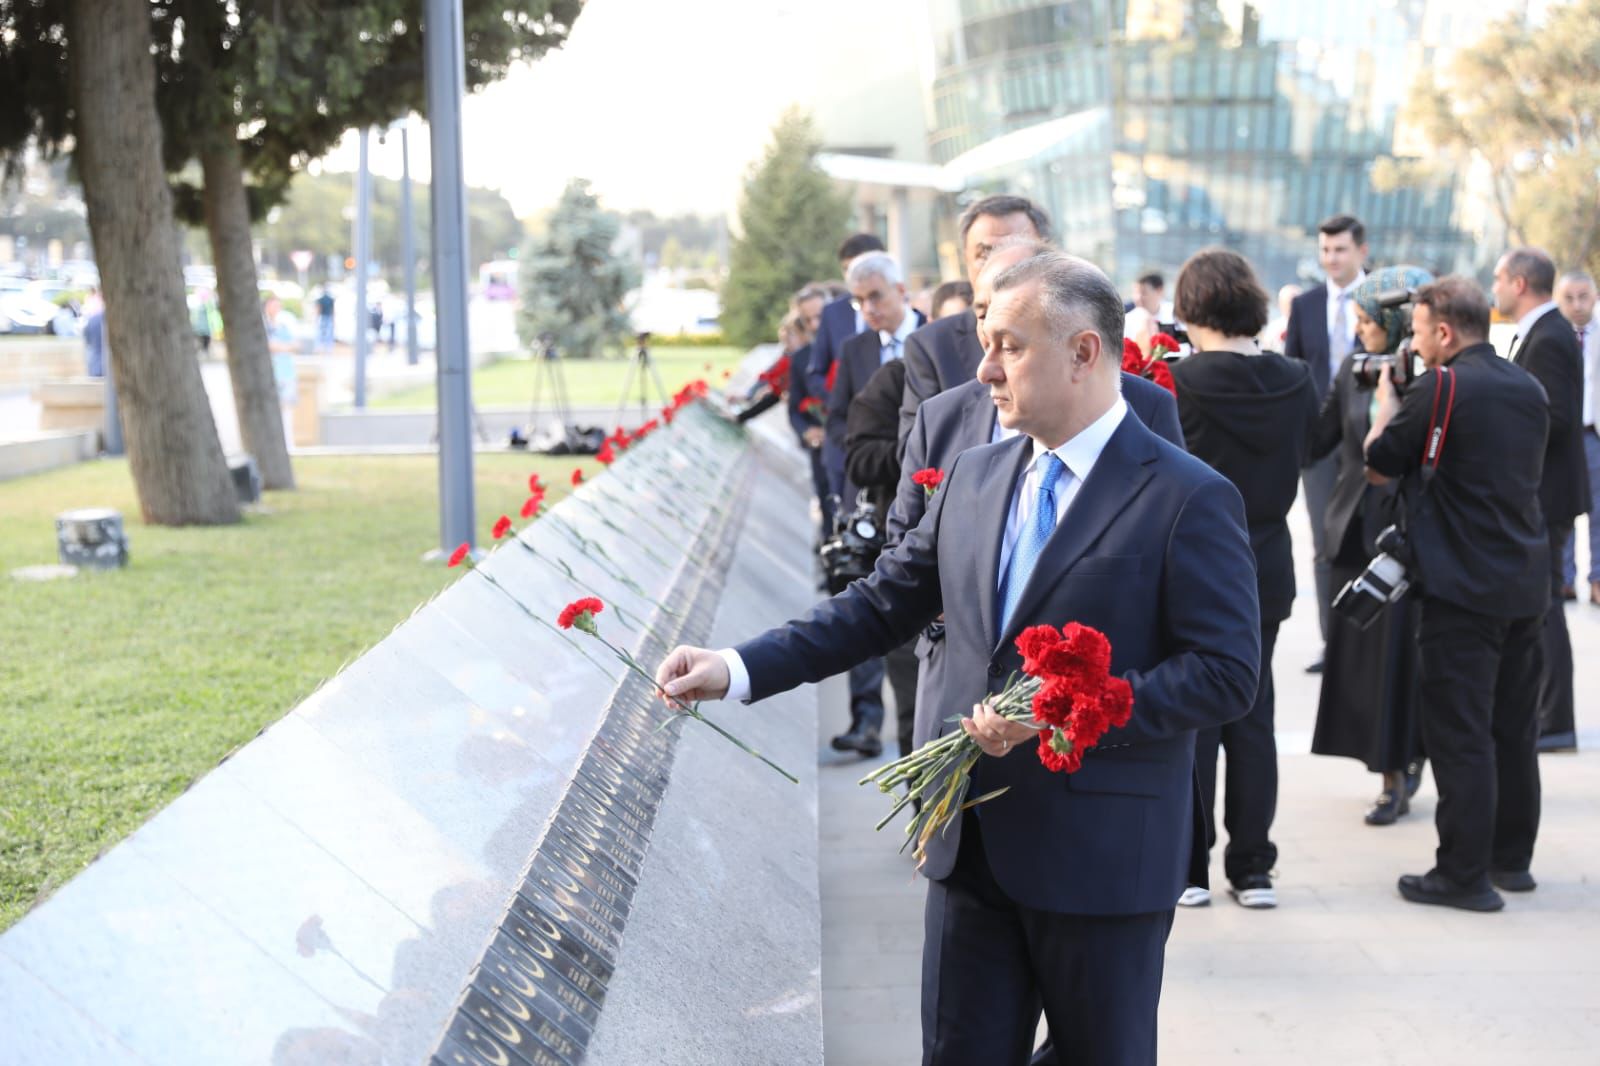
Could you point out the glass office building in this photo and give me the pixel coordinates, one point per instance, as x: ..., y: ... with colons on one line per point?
x: 1151, y: 128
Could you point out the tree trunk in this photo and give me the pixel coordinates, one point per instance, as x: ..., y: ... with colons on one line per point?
x: 173, y: 450
x: 255, y: 392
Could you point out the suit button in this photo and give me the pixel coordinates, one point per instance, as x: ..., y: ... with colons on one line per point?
x: 994, y: 670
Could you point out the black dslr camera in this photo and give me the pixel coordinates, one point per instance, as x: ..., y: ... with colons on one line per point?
x: 857, y: 540
x: 1384, y: 581
x: 1368, y: 367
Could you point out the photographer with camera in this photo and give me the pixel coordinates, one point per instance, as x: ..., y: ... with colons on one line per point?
x: 1368, y: 705
x: 1468, y: 440
x: 1245, y: 413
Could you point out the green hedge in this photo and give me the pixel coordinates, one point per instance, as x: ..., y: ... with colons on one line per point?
x: 688, y: 340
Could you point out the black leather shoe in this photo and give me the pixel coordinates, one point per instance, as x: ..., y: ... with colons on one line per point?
x: 1316, y: 667
x: 1413, y: 777
x: 864, y: 741
x: 1432, y: 889
x: 1387, y: 808
x: 1512, y: 880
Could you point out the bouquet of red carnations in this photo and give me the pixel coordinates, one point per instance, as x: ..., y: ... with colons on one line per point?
x: 1065, y: 692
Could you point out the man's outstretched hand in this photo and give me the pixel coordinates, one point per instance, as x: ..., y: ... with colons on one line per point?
x: 693, y: 674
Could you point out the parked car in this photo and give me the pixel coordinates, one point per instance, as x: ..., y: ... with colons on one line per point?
x: 24, y: 311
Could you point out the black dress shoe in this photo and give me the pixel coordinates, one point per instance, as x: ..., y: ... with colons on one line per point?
x: 1414, y: 777
x: 1387, y: 808
x: 864, y: 741
x: 1316, y: 667
x: 1569, y: 593
x: 1439, y: 891
x: 1512, y: 880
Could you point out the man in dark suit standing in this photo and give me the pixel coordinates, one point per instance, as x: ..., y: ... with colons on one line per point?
x: 806, y: 316
x: 1322, y: 332
x: 878, y: 289
x: 1058, y: 893
x: 1482, y: 561
x: 1545, y: 346
x: 946, y: 353
x: 840, y: 321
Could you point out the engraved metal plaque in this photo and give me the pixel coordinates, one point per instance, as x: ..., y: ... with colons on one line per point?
x: 536, y: 931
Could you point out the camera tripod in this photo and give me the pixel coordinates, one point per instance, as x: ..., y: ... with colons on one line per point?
x: 641, y: 366
x: 549, y: 375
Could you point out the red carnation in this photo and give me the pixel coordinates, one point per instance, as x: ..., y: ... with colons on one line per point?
x: 1161, y: 374
x: 534, y: 485
x: 811, y: 405
x: 1162, y: 344
x: 606, y: 455
x: 502, y: 526
x: 1083, y: 652
x: 1033, y: 643
x: 580, y: 614
x: 459, y: 554
x: 833, y: 375
x: 577, y: 475
x: 668, y: 413
x: 1132, y: 356
x: 530, y: 509
x: 1116, y: 701
x: 929, y: 478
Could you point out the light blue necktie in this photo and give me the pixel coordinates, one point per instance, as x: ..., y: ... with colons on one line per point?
x: 891, y: 351
x: 1031, y: 540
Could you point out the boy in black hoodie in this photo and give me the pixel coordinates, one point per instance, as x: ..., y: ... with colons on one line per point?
x: 1248, y: 415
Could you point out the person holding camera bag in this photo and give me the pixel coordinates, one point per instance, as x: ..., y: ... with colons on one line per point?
x: 1368, y: 705
x: 1468, y: 438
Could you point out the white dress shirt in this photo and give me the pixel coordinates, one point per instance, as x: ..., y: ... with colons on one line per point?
x: 1079, y: 454
x: 1335, y: 359
x: 1525, y: 323
x: 894, y: 343
x: 1589, y: 348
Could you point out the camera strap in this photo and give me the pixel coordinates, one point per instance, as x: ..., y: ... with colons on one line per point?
x: 1438, y: 429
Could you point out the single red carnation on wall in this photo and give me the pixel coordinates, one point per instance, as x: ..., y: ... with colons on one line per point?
x: 606, y: 455
x: 459, y: 554
x: 577, y: 475
x: 530, y: 509
x: 502, y: 526
x: 534, y: 485
x: 580, y: 613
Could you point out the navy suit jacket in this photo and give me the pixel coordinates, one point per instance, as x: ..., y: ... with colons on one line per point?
x: 1306, y: 337
x: 1153, y: 553
x: 837, y: 326
x: 939, y: 356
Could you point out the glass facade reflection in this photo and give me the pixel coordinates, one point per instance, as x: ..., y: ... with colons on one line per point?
x: 1151, y: 128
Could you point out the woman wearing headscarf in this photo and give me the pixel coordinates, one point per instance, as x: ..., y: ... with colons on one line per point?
x: 1368, y: 707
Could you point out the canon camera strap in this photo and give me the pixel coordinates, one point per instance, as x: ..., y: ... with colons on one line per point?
x: 1438, y: 427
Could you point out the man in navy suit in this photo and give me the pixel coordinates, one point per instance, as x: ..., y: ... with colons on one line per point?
x: 946, y: 353
x: 840, y: 321
x: 1322, y: 333
x: 1059, y: 893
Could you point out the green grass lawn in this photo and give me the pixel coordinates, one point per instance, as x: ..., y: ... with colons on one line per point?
x: 590, y: 382
x: 119, y: 689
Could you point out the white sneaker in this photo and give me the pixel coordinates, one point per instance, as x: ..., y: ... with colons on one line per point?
x: 1195, y: 896
x: 1255, y: 892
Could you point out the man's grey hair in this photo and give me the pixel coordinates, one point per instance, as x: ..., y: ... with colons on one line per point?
x: 1074, y: 295
x: 1534, y: 266
x: 873, y: 265
x: 1578, y: 277
x: 816, y: 290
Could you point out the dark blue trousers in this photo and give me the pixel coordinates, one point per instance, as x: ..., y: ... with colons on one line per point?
x: 990, y: 966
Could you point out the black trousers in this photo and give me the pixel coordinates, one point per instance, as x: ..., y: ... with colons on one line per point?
x: 1251, y: 796
x: 990, y: 965
x: 1555, y: 680
x: 1479, y: 686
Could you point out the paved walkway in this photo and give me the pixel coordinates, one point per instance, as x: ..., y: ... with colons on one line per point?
x: 1342, y: 972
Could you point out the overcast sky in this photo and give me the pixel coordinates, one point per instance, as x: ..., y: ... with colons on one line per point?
x: 660, y: 103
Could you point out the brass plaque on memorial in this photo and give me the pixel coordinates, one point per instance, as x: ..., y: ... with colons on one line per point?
x: 598, y: 936
x: 544, y: 990
x: 539, y: 954
x: 538, y: 932
x: 583, y: 896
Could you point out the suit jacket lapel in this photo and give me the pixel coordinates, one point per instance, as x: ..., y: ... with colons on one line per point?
x: 993, y: 508
x: 1118, y: 476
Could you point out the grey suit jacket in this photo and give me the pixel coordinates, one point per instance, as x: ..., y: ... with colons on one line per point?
x: 939, y: 356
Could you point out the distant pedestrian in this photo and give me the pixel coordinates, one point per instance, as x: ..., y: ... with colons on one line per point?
x: 325, y: 320
x: 94, y: 342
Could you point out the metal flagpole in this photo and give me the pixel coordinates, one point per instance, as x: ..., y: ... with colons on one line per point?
x: 363, y: 254
x: 444, y: 69
x: 408, y: 243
